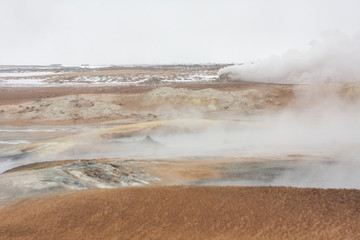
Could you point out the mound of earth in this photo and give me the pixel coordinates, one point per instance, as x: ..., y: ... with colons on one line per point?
x: 187, y: 213
x: 162, y: 102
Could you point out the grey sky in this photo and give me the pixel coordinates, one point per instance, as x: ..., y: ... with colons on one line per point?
x: 164, y: 31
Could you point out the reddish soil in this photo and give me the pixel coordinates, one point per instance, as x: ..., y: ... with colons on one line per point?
x: 187, y: 212
x: 13, y: 95
x: 178, y: 212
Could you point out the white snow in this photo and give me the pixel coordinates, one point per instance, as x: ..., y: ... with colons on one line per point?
x: 22, y: 82
x: 25, y: 74
x: 28, y: 130
x: 107, y: 80
x: 14, y: 142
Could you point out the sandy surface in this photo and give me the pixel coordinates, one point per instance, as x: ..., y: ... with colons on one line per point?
x: 187, y: 213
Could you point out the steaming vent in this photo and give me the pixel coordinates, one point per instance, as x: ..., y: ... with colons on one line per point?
x: 150, y: 141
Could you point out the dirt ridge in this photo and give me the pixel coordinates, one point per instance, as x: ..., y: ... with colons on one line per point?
x: 187, y: 212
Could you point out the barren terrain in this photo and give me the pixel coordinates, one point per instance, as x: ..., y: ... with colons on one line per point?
x: 143, y: 131
x: 187, y: 213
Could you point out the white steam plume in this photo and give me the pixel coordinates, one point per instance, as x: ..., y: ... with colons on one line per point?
x: 335, y: 58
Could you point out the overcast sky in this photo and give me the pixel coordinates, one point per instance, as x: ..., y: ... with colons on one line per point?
x: 164, y: 31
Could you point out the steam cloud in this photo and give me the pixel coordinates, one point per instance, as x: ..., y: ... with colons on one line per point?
x: 335, y: 58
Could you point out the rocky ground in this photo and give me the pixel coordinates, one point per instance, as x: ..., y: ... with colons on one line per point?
x: 160, y: 103
x: 172, y: 125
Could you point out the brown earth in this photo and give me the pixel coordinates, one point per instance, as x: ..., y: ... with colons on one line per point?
x: 171, y: 212
x: 12, y: 95
x: 187, y: 212
x: 171, y: 172
x: 89, y: 105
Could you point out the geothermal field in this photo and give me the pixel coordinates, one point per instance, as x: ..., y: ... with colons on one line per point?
x: 178, y: 152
